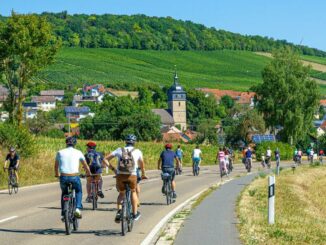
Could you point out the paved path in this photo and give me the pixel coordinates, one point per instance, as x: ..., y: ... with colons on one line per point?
x: 214, y: 220
x: 32, y: 216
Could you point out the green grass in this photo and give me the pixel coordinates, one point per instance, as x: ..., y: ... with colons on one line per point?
x: 237, y: 70
x: 300, y: 209
x: 319, y: 60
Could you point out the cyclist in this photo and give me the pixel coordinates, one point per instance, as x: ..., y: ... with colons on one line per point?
x: 95, y: 161
x: 300, y: 155
x: 67, y: 164
x: 248, y: 157
x: 166, y: 164
x: 311, y: 155
x: 268, y: 155
x: 222, y: 161
x: 321, y: 154
x: 13, y: 159
x: 129, y: 159
x: 179, y: 154
x: 296, y: 155
x: 277, y: 156
x: 196, y: 156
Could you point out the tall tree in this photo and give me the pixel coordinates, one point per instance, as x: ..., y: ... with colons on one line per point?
x: 26, y: 46
x: 287, y: 97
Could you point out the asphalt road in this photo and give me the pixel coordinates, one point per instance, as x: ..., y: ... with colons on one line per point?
x: 33, y: 215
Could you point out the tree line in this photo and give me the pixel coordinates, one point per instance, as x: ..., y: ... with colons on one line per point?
x: 154, y: 33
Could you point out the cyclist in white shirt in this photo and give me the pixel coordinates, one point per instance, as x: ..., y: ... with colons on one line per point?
x: 196, y: 156
x: 128, y: 176
x: 67, y: 168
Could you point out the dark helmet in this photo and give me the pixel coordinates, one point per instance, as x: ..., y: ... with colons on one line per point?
x: 131, y: 139
x: 12, y: 149
x: 91, y: 144
x: 71, y: 141
x: 168, y: 146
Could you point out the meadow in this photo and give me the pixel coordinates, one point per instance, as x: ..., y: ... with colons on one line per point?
x: 300, y: 209
x: 319, y: 60
x: 40, y: 168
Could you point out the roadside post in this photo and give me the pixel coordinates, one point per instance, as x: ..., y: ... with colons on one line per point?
x: 271, y: 200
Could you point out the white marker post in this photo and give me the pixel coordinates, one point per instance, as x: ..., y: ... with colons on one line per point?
x: 271, y: 200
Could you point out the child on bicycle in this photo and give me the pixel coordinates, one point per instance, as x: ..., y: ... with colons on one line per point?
x: 221, y: 158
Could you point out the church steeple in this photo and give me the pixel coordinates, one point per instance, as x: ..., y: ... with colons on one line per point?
x: 176, y: 78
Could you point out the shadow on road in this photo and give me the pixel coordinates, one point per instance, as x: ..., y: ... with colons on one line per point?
x: 152, y: 204
x: 62, y: 232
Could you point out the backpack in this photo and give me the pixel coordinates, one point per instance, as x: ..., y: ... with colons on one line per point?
x: 95, y: 160
x: 126, y: 162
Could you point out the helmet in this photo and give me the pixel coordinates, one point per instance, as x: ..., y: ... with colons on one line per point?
x: 12, y: 149
x: 71, y: 141
x: 131, y: 139
x: 91, y: 144
x: 168, y: 146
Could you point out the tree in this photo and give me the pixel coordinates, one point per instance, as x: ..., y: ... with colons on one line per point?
x: 26, y: 46
x: 227, y: 101
x: 287, y: 97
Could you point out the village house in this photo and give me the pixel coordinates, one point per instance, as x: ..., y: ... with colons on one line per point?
x: 77, y: 113
x: 58, y: 94
x: 45, y: 103
x: 243, y: 98
x: 30, y: 110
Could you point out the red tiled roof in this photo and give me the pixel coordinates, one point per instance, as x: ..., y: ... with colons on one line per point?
x: 323, y: 125
x: 240, y: 97
x: 43, y: 99
x: 322, y: 102
x: 173, y: 137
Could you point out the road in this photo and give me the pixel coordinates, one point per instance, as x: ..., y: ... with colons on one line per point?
x: 33, y: 215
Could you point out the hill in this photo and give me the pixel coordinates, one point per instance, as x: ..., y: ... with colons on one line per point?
x: 226, y: 69
x: 154, y: 33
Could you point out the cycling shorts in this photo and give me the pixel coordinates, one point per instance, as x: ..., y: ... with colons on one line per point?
x: 196, y: 160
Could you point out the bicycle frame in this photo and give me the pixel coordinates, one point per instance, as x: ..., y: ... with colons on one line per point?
x: 126, y: 217
x: 69, y: 208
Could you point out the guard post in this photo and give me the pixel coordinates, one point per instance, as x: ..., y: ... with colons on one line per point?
x: 271, y: 200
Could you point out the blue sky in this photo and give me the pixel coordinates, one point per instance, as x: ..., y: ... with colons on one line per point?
x: 294, y: 20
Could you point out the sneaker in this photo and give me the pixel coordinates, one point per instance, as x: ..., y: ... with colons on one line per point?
x: 88, y: 199
x: 100, y: 194
x: 62, y: 218
x: 78, y: 214
x: 174, y: 194
x: 137, y: 216
x: 118, y: 217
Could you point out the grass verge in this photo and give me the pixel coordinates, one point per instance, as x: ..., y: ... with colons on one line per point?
x: 300, y: 208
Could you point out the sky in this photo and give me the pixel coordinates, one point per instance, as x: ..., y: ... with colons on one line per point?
x: 297, y: 21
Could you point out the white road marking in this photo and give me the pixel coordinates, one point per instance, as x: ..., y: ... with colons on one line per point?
x: 10, y: 218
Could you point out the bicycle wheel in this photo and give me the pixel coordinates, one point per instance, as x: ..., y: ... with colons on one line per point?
x: 170, y: 192
x: 75, y: 224
x: 167, y: 192
x: 124, y: 225
x: 14, y: 184
x: 130, y: 218
x: 10, y: 188
x: 67, y: 216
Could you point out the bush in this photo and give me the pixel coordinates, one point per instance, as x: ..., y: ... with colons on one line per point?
x: 53, y: 133
x: 18, y: 137
x: 286, y: 150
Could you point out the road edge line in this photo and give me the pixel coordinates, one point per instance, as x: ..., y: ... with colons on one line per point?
x: 7, y: 219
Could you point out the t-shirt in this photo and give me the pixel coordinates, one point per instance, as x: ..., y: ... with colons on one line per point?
x: 300, y: 153
x: 311, y: 152
x: 268, y: 153
x: 167, y: 157
x: 13, y: 161
x: 179, y: 153
x: 196, y: 153
x: 248, y: 154
x: 69, y: 160
x: 137, y: 155
x: 221, y: 155
x: 91, y: 158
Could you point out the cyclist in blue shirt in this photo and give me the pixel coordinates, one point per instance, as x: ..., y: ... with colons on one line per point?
x: 13, y: 159
x: 166, y: 164
x: 179, y: 154
x: 249, y: 156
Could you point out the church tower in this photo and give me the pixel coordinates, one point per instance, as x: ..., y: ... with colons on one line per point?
x: 177, y: 103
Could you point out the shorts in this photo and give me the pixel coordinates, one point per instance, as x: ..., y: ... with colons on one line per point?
x: 170, y: 171
x: 95, y: 178
x: 13, y: 167
x: 122, y: 179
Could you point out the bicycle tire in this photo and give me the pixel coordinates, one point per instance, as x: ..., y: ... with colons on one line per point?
x: 67, y: 218
x: 124, y: 225
x: 15, y: 189
x: 170, y: 192
x: 75, y: 224
x: 130, y: 218
x: 10, y: 188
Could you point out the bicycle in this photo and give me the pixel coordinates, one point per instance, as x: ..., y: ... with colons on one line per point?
x: 69, y: 207
x: 12, y: 181
x: 94, y: 189
x: 195, y: 168
x: 167, y: 187
x: 127, y: 220
x: 248, y: 164
x: 230, y: 165
x: 321, y: 159
x: 178, y: 170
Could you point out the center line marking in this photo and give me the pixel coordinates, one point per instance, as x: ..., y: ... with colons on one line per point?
x: 10, y: 218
